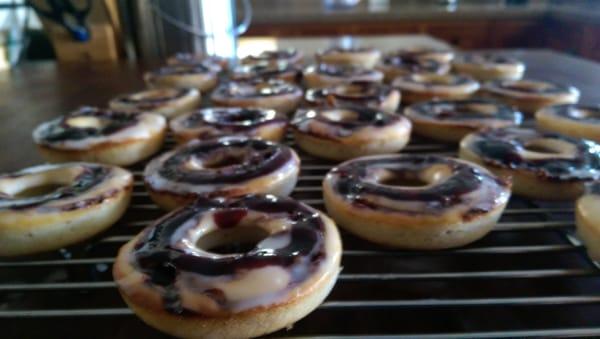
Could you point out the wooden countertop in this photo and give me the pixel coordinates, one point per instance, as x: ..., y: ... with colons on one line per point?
x: 35, y: 92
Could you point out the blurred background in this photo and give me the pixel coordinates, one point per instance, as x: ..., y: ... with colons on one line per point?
x: 112, y: 30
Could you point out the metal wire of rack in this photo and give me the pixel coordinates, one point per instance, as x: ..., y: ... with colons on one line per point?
x: 529, y: 277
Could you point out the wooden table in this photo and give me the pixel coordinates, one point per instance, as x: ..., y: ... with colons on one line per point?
x: 35, y: 92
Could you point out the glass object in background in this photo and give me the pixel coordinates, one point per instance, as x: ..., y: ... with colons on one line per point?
x: 198, y: 26
x: 14, y: 21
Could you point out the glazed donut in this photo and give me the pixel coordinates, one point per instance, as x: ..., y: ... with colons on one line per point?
x: 199, y: 76
x: 485, y: 66
x: 355, y: 56
x: 47, y: 207
x: 216, y: 122
x: 168, y: 102
x: 587, y: 220
x: 226, y: 167
x: 99, y: 135
x: 291, y: 56
x: 359, y: 93
x: 279, y: 95
x: 266, y: 70
x: 325, y: 75
x: 577, y: 121
x: 395, y: 65
x: 530, y: 95
x: 542, y: 165
x: 422, y: 87
x: 451, y: 120
x: 441, y: 55
x: 422, y: 202
x: 230, y: 268
x: 212, y: 61
x: 348, y: 132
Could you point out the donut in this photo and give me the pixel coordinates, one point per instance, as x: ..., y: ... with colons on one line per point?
x: 576, y: 121
x: 291, y: 56
x: 451, y: 120
x: 325, y: 75
x: 359, y: 93
x: 226, y: 167
x: 212, y: 61
x: 201, y: 76
x: 168, y: 102
x: 365, y: 57
x: 530, y: 95
x: 486, y: 66
x: 216, y: 122
x: 266, y: 70
x: 587, y: 220
x: 421, y: 202
x: 397, y: 64
x: 230, y: 268
x: 422, y: 87
x: 47, y: 207
x: 347, y: 132
x: 441, y: 55
x: 276, y: 94
x: 100, y: 135
x: 543, y: 166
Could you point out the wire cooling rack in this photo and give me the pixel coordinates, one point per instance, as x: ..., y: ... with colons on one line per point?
x: 529, y: 277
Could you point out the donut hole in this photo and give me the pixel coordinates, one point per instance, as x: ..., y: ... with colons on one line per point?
x: 37, y: 184
x: 584, y: 113
x: 528, y: 86
x: 398, y: 179
x: 540, y: 149
x: 234, y: 240
x: 434, y: 79
x: 223, y: 160
x: 549, y: 148
x: 402, y: 181
x: 340, y: 115
x: 159, y: 94
x: 216, y: 160
x: 87, y: 122
x: 36, y: 191
x: 353, y: 90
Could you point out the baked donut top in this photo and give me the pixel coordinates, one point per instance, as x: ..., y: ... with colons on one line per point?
x: 488, y: 60
x: 227, y: 119
x: 465, y: 112
x: 90, y: 126
x: 282, y: 248
x: 350, y: 50
x: 256, y: 88
x: 341, y: 71
x: 61, y: 187
x: 418, y: 184
x: 435, y: 82
x: 212, y: 61
x: 425, y: 53
x: 287, y: 55
x: 183, y: 70
x: 348, y: 123
x: 357, y: 92
x: 579, y: 113
x: 413, y: 64
x: 529, y: 87
x: 213, y: 168
x: 264, y: 70
x: 548, y: 155
x: 154, y: 98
